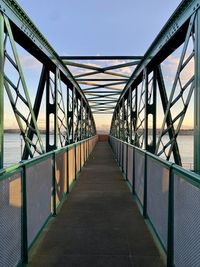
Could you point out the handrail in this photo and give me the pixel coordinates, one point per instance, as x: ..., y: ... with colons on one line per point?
x: 168, y: 197
x: 31, y: 192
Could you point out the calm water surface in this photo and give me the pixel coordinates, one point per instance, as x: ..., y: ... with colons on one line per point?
x: 13, y: 147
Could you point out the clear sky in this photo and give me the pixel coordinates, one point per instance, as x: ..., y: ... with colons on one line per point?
x: 106, y: 27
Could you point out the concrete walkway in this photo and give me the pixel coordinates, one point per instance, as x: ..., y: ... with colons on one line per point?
x: 99, y: 225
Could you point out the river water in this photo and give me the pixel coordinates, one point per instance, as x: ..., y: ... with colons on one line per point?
x: 13, y: 147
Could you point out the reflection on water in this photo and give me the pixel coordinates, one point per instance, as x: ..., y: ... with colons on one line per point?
x: 13, y: 147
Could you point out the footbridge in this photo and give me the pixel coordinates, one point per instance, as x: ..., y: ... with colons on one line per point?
x: 76, y: 198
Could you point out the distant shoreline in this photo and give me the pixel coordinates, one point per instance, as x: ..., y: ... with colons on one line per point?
x: 182, y: 132
x: 17, y: 131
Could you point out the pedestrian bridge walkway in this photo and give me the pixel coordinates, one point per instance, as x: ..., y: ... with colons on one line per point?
x: 99, y: 224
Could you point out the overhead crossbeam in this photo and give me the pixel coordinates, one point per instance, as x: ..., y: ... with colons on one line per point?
x: 107, y: 72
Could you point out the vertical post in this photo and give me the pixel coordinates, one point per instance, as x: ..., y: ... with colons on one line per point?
x: 197, y: 95
x: 170, y: 237
x: 67, y: 150
x: 145, y: 187
x: 146, y: 108
x: 126, y: 162
x: 68, y: 124
x: 123, y: 118
x: 75, y: 162
x: 119, y: 123
x: 153, y: 145
x: 51, y: 109
x: 56, y: 110
x: 1, y: 89
x: 131, y: 115
x: 133, y: 172
x: 81, y: 122
x: 54, y: 185
x: 24, y: 218
x: 47, y: 111
x: 73, y: 110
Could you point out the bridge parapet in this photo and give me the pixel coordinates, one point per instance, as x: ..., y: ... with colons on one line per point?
x: 168, y: 197
x: 32, y: 192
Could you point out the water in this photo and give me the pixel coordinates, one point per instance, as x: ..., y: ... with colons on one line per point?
x: 13, y: 147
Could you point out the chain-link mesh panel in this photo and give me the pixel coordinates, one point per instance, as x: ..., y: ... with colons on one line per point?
x: 130, y: 165
x: 38, y: 186
x: 78, y: 158
x: 71, y: 166
x: 186, y: 223
x: 139, y: 175
x: 10, y: 221
x: 157, y: 197
x: 124, y: 157
x: 61, y: 176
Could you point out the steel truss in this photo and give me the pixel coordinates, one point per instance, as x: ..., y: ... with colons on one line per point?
x: 102, y: 78
x: 70, y: 119
x: 135, y: 116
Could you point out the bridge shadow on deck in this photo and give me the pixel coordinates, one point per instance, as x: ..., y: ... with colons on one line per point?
x: 99, y: 225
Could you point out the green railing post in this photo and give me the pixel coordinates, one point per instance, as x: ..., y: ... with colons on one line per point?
x: 75, y: 162
x: 170, y: 237
x: 54, y: 185
x: 197, y: 95
x: 145, y: 187
x: 24, y: 218
x: 67, y: 150
x: 126, y: 162
x: 133, y: 172
x: 122, y: 162
x: 1, y: 90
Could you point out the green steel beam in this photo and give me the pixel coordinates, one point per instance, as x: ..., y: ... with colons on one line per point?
x: 166, y: 41
x: 1, y: 90
x: 102, y: 71
x: 36, y: 109
x: 29, y: 37
x: 101, y: 80
x: 101, y: 57
x: 102, y: 92
x: 197, y: 96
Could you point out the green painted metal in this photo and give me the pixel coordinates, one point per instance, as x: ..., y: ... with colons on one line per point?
x: 1, y: 90
x: 145, y: 188
x: 22, y: 170
x: 197, y: 96
x: 100, y: 57
x: 54, y: 207
x: 162, y: 41
x: 164, y: 100
x: 170, y: 239
x: 36, y: 109
x: 174, y: 170
x: 24, y: 218
x: 7, y: 23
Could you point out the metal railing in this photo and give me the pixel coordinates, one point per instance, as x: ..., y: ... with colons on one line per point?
x: 31, y: 193
x: 169, y: 198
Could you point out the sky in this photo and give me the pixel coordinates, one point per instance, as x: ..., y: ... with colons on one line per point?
x: 89, y: 27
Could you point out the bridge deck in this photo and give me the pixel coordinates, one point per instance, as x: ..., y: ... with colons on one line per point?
x: 99, y: 224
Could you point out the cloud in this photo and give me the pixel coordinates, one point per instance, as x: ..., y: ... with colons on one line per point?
x: 170, y: 65
x: 30, y: 63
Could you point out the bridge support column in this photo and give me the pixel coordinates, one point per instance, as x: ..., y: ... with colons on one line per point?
x: 197, y: 95
x: 1, y: 89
